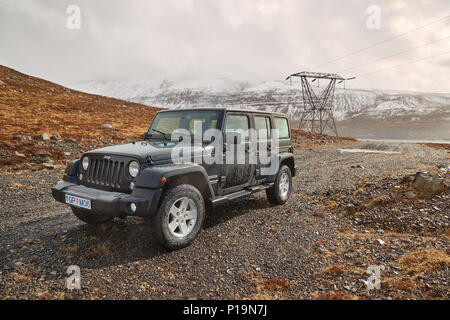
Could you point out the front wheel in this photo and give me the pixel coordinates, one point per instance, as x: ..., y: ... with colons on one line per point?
x: 179, y: 218
x: 279, y: 193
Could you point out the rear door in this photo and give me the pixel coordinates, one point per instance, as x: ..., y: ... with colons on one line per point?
x: 284, y: 133
x: 263, y: 126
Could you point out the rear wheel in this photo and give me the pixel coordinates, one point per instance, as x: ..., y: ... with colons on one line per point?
x: 281, y: 190
x: 180, y: 217
x: 92, y: 218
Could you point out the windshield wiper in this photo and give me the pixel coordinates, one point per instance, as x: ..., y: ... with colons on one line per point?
x: 163, y: 133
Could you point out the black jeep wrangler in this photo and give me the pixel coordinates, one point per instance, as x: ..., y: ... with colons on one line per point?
x: 142, y: 178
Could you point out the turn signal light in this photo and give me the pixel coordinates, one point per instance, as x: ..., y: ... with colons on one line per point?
x: 163, y: 180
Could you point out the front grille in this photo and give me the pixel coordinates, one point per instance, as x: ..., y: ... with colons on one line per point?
x: 105, y: 172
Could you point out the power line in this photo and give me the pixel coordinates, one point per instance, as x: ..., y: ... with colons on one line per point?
x: 394, y: 55
x: 404, y: 64
x: 384, y: 41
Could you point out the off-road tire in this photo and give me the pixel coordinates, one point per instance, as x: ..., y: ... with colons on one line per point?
x: 274, y: 195
x: 160, y: 221
x: 89, y: 217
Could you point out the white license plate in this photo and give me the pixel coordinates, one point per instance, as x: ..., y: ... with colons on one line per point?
x: 78, y: 202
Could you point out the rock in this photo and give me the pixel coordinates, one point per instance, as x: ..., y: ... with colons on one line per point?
x: 380, y: 231
x: 48, y: 166
x: 67, y: 154
x: 17, y: 154
x: 56, y: 137
x: 53, y: 273
x: 22, y: 166
x: 351, y: 208
x: 322, y: 249
x: 410, y: 195
x: 42, y: 137
x: 106, y: 126
x: 21, y: 138
x: 443, y: 168
x: 1, y: 83
x: 380, y: 241
x: 36, y: 160
x: 428, y: 183
x: 43, y: 153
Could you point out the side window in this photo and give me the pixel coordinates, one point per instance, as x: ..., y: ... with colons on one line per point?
x: 237, y: 123
x: 262, y: 127
x: 283, y: 128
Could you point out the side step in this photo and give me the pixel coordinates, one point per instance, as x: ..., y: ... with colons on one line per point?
x: 235, y: 195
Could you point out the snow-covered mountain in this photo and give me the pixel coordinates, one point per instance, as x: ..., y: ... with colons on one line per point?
x: 354, y: 108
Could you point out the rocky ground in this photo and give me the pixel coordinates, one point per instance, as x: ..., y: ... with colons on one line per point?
x: 346, y: 213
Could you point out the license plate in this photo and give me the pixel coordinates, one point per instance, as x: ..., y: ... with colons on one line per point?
x: 78, y: 202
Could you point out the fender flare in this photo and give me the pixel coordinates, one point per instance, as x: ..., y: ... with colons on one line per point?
x: 151, y: 176
x: 70, y: 174
x: 283, y: 157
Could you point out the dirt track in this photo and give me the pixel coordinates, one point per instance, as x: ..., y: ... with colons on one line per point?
x: 312, y: 247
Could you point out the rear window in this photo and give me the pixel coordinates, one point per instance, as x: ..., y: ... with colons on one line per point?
x: 283, y: 128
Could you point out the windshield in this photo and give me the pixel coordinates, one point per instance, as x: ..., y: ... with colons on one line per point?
x: 165, y: 123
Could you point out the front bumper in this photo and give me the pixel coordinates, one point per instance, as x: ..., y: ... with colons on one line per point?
x: 113, y: 204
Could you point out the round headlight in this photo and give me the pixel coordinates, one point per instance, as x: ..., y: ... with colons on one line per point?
x: 133, y: 169
x: 85, y: 163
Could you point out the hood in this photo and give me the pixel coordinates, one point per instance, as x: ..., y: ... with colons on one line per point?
x: 157, y: 150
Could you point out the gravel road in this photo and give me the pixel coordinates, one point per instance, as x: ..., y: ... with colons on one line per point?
x: 310, y: 248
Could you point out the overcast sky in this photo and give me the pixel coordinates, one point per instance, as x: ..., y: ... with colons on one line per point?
x: 252, y: 40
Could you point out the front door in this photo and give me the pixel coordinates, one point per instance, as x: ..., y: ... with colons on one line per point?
x: 236, y: 171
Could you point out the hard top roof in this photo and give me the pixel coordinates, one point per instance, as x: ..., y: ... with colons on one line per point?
x: 227, y: 110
